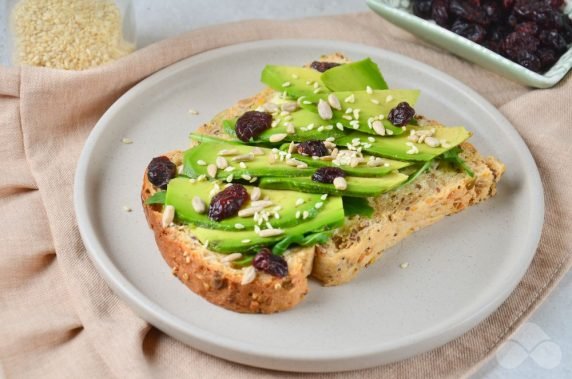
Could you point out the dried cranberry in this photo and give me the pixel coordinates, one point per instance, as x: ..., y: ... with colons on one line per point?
x: 422, y: 8
x: 328, y: 174
x: 467, y: 11
x: 160, y: 170
x: 529, y: 27
x: 547, y: 57
x: 440, y: 12
x: 493, y: 11
x: 227, y: 202
x: 269, y: 263
x: 251, y: 124
x: 528, y: 60
x: 472, y: 32
x: 516, y: 42
x: 401, y: 114
x: 497, y: 32
x: 555, y: 4
x: 323, y: 66
x: 553, y: 40
x: 313, y: 148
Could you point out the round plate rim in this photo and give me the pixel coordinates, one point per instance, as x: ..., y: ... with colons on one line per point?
x: 247, y: 353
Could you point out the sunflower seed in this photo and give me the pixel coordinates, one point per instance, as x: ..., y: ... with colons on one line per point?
x: 168, y: 216
x: 248, y: 275
x: 324, y: 110
x: 340, y: 183
x: 199, y: 205
x: 334, y: 102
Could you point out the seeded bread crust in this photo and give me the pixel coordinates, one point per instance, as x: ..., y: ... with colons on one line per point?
x: 206, y: 274
x: 397, y: 214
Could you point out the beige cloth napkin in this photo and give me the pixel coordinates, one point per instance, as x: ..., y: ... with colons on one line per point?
x: 59, y: 319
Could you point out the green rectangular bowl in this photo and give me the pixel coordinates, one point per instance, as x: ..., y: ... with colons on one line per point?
x: 398, y: 12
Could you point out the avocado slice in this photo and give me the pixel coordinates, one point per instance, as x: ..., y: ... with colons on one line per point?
x: 384, y: 168
x: 396, y: 147
x: 355, y: 76
x: 197, y: 159
x: 357, y: 187
x: 331, y: 216
x: 181, y: 191
x: 370, y: 105
x: 307, y: 125
x: 295, y: 81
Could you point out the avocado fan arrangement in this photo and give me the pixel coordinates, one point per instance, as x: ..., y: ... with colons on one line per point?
x: 289, y: 172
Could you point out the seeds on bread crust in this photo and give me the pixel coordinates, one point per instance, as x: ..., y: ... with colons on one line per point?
x: 248, y: 275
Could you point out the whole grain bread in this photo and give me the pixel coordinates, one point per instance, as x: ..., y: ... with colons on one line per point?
x: 440, y: 192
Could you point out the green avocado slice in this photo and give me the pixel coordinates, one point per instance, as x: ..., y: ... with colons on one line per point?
x: 356, y: 186
x: 295, y: 81
x: 181, y: 191
x: 397, y: 147
x: 385, y: 167
x: 378, y: 104
x: 307, y: 126
x: 355, y: 76
x: 197, y: 159
x: 331, y: 216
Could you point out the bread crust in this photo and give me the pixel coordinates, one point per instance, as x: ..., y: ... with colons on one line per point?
x: 205, y: 273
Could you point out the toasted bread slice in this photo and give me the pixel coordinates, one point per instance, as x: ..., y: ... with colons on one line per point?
x: 207, y: 274
x: 440, y: 192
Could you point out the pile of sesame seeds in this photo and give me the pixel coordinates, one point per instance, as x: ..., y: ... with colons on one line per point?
x: 68, y: 34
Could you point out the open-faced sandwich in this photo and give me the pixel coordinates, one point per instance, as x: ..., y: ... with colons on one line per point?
x: 314, y: 176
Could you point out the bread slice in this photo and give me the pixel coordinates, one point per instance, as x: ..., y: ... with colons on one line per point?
x: 207, y: 274
x: 440, y: 192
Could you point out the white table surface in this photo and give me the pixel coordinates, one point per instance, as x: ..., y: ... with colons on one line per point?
x: 540, y: 349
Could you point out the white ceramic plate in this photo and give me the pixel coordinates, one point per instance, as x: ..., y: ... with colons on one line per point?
x: 460, y: 270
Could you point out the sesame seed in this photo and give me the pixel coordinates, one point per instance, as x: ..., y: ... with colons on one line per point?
x: 238, y: 226
x: 324, y: 196
x: 294, y: 76
x: 193, y: 112
x: 330, y: 139
x: 246, y: 176
x: 317, y: 90
x: 404, y: 265
x: 307, y: 102
x: 298, y: 214
x: 245, y: 241
x: 126, y: 208
x: 286, y: 84
x: 305, y: 215
x: 374, y: 101
x: 388, y: 98
x: 126, y: 141
x: 200, y: 162
x: 299, y: 201
x: 319, y: 205
x: 371, y: 139
x: 347, y: 117
x: 368, y: 90
x: 350, y: 99
x: 340, y: 126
